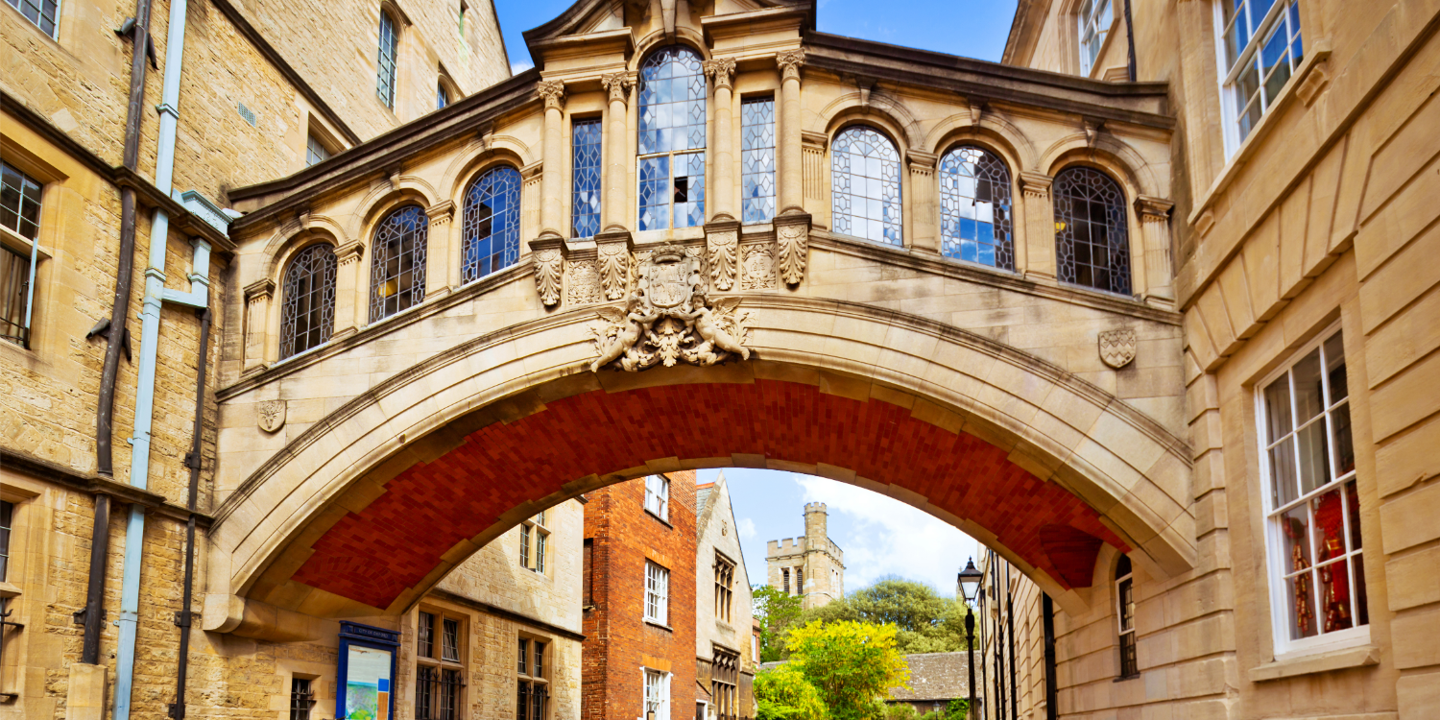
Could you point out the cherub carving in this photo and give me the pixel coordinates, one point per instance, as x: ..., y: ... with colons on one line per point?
x: 712, y: 335
x: 632, y: 325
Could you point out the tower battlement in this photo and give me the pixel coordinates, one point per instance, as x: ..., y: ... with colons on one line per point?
x: 812, y: 565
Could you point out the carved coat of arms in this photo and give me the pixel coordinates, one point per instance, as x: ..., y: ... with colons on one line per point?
x: 272, y: 415
x: 667, y: 318
x: 1117, y: 347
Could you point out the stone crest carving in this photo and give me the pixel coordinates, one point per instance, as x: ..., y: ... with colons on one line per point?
x: 723, y: 246
x: 1117, y: 347
x: 614, y: 269
x: 668, y: 318
x: 793, y: 241
x: 272, y: 415
x: 547, y: 275
x: 758, y: 268
x: 584, y: 282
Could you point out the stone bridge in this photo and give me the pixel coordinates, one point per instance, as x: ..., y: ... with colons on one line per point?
x: 410, y: 371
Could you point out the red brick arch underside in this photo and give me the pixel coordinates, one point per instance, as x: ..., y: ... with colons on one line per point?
x: 374, y: 555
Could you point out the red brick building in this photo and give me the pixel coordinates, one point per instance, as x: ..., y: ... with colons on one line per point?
x: 639, y: 600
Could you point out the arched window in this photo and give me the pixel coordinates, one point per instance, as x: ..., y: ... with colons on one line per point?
x: 492, y: 223
x: 385, y: 68
x: 672, y: 140
x: 307, y: 317
x: 975, y: 210
x: 1091, y: 240
x: 1125, y: 616
x: 397, y: 262
x: 865, y: 173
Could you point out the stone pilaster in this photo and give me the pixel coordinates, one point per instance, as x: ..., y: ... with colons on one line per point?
x: 1154, y: 214
x: 792, y: 175
x: 349, y: 295
x: 615, y: 208
x: 1039, y: 224
x: 923, y: 211
x: 442, y: 235
x: 722, y: 195
x: 551, y: 209
x: 257, y: 323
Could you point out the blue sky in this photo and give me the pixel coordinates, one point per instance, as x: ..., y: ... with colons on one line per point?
x: 973, y: 28
x: 879, y: 535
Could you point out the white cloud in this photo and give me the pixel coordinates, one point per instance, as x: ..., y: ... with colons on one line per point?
x: 746, y: 528
x: 518, y: 67
x: 889, y: 537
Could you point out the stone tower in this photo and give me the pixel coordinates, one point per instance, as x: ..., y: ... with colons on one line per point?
x: 812, y: 566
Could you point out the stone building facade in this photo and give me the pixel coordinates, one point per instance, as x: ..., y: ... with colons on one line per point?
x: 250, y: 88
x: 640, y: 613
x: 724, y: 620
x: 811, y: 566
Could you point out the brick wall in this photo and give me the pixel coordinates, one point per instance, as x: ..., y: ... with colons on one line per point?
x: 618, y: 641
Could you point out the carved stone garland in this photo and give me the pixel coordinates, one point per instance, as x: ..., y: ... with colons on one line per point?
x: 668, y: 318
x: 547, y: 274
x: 614, y: 269
x: 793, y: 242
x: 723, y: 246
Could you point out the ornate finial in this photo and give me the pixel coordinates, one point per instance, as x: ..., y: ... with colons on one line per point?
x: 553, y: 91
x: 790, y: 62
x: 722, y: 70
x: 618, y: 84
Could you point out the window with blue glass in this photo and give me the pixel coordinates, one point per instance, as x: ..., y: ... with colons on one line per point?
x: 865, y: 175
x: 492, y: 223
x: 397, y: 262
x: 442, y: 96
x: 1262, y: 49
x: 585, y: 164
x: 672, y: 140
x: 975, y: 208
x: 385, y: 68
x: 757, y: 159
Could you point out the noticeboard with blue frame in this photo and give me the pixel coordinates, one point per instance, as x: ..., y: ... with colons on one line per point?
x: 366, y: 674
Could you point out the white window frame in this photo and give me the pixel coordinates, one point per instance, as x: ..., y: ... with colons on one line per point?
x: 23, y: 246
x: 437, y: 659
x: 1262, y: 30
x: 59, y: 14
x: 1277, y: 561
x: 657, y: 593
x: 1120, y: 630
x: 1086, y: 23
x: 534, y: 543
x: 661, y: 685
x: 657, y: 496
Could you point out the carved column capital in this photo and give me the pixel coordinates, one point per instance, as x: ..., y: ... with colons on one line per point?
x: 349, y: 252
x: 618, y: 84
x: 722, y: 70
x: 440, y: 213
x: 1035, y: 185
x: 790, y: 62
x: 260, y: 290
x: 922, y: 164
x: 552, y: 92
x: 1153, y: 209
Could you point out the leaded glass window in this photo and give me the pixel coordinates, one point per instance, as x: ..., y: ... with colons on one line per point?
x: 1091, y: 239
x: 1263, y: 48
x: 865, y: 174
x: 43, y: 13
x: 491, y: 223
x: 1312, y: 500
x: 672, y: 140
x: 307, y: 317
x: 397, y: 262
x: 532, y: 686
x: 1095, y: 18
x: 975, y: 208
x: 385, y: 68
x: 585, y: 137
x: 757, y: 159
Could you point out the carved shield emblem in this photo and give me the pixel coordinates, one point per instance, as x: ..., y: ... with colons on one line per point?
x: 670, y: 279
x: 1117, y: 347
x: 272, y: 415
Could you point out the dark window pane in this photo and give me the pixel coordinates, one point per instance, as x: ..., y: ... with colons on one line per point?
x: 397, y: 267
x: 1091, y: 238
x: 307, y: 315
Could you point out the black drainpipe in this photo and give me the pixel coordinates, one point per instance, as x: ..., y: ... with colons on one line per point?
x: 1052, y: 700
x: 1130, y: 37
x: 117, y: 338
x: 192, y: 461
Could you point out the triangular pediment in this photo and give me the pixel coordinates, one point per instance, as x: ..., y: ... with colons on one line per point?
x: 593, y: 17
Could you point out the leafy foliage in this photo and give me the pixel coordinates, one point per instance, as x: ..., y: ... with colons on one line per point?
x: 777, y: 612
x: 853, y: 665
x: 925, y: 621
x: 959, y: 709
x: 784, y: 694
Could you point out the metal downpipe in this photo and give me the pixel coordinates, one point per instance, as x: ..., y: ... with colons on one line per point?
x: 193, y: 461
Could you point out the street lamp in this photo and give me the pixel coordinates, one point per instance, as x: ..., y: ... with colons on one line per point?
x: 969, y: 587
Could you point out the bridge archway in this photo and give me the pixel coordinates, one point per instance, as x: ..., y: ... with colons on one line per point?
x: 367, y: 509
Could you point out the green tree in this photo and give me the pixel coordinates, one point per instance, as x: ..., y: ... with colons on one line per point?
x: 924, y: 621
x: 958, y: 709
x: 853, y: 665
x: 783, y: 693
x: 776, y: 611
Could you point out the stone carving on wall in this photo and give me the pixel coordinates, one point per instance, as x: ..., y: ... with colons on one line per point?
x: 723, y: 245
x: 552, y: 92
x: 758, y: 268
x: 614, y: 269
x: 790, y: 62
x: 1117, y: 347
x: 272, y: 415
x: 668, y: 319
x: 793, y: 241
x: 584, y: 280
x: 547, y: 275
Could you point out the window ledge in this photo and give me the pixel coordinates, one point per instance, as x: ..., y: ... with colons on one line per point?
x: 662, y: 626
x: 659, y: 519
x: 1328, y: 661
x: 8, y: 591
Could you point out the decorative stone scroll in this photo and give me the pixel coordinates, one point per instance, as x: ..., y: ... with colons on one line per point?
x: 792, y: 240
x: 790, y: 62
x: 722, y: 70
x: 614, y: 268
x: 552, y: 92
x: 722, y: 242
x: 619, y: 85
x: 668, y: 319
x: 1117, y: 347
x: 545, y: 254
